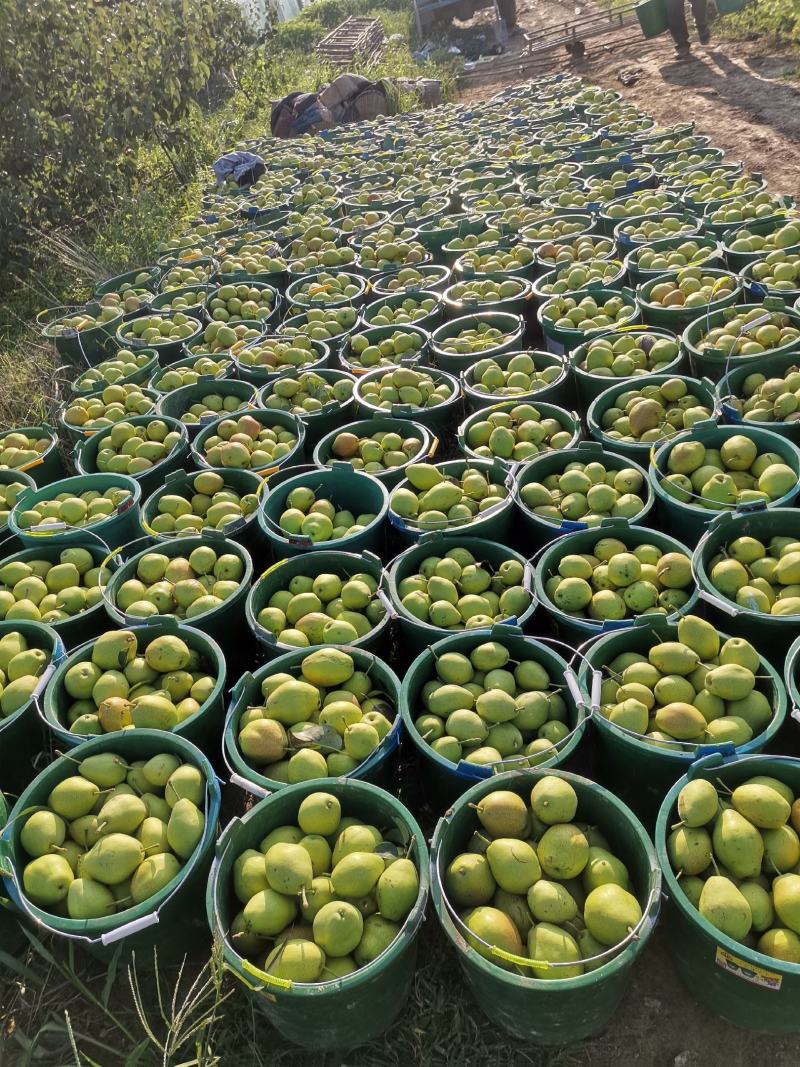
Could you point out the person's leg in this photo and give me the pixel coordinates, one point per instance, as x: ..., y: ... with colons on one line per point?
x: 676, y: 21
x: 700, y: 14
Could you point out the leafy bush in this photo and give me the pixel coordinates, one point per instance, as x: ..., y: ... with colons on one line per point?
x: 82, y: 84
x: 778, y: 17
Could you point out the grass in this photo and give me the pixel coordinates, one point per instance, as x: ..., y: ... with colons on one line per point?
x: 125, y: 231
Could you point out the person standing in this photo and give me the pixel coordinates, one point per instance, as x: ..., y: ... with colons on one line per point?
x: 676, y: 20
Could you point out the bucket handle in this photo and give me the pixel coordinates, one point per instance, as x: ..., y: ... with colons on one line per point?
x: 727, y: 607
x: 714, y: 760
x: 45, y: 529
x: 109, y: 937
x: 246, y: 785
x: 634, y: 934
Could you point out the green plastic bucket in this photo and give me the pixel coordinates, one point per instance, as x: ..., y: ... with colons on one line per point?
x: 48, y: 466
x: 186, y: 363
x: 169, y: 350
x: 792, y: 679
x: 444, y: 781
x: 77, y: 434
x: 373, y: 336
x: 713, y: 362
x: 416, y: 635
x: 312, y: 564
x: 200, y: 347
x: 560, y: 340
x: 382, y: 424
x: 557, y: 392
x: 456, y: 307
x: 175, y: 259
x: 640, y: 772
x: 575, y: 629
x: 426, y: 322
x: 234, y: 320
x: 540, y: 295
x: 512, y: 327
x: 179, y: 483
x: 261, y: 376
x: 737, y: 260
x: 690, y: 228
x: 568, y: 420
x: 140, y: 376
x: 21, y: 733
x: 330, y: 417
x: 9, y: 477
x: 177, y: 403
x: 378, y: 768
x: 730, y: 387
x: 86, y: 452
x: 113, y: 285
x: 202, y: 728
x: 437, y: 418
x: 122, y: 526
x: 766, y: 631
x: 540, y: 530
x: 590, y: 385
x: 756, y: 291
x: 223, y: 624
x: 691, y: 519
x: 678, y: 318
x: 348, y: 489
x: 744, y: 987
x: 435, y: 279
x: 171, y: 919
x: 293, y: 324
x: 322, y: 1016
x: 494, y: 523
x: 78, y: 628
x: 196, y: 297
x: 88, y: 346
x: 11, y: 936
x: 638, y: 275
x: 296, y: 302
x: 271, y: 417
x: 640, y: 451
x: 537, y: 1010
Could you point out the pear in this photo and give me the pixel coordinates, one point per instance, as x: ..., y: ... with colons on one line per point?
x: 47, y: 879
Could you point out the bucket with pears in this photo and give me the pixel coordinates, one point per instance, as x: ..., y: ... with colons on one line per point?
x: 317, y: 895
x: 30, y: 652
x: 727, y: 839
x: 548, y: 889
x: 202, y: 579
x: 61, y: 587
x: 111, y: 844
x: 322, y: 712
x: 158, y: 676
x: 667, y: 692
x: 487, y: 700
x: 449, y: 581
x: 748, y: 570
x: 722, y: 468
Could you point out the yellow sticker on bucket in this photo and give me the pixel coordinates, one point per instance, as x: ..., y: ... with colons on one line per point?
x: 750, y: 972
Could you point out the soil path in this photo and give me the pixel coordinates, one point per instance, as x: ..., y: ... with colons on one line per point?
x: 739, y: 94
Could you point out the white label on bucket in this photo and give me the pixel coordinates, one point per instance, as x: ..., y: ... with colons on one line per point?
x: 762, y: 320
x: 750, y: 972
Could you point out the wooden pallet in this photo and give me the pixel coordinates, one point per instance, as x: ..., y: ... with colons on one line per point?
x: 355, y: 38
x: 540, y: 46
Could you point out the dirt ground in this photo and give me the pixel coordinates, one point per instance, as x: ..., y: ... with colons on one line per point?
x: 738, y: 93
